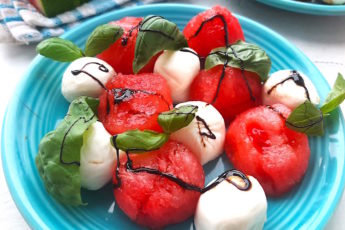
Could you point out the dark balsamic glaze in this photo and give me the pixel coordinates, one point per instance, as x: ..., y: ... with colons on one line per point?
x: 221, y: 79
x: 295, y: 77
x: 101, y: 67
x: 192, y: 52
x: 226, y: 38
x: 201, y: 59
x: 276, y: 111
x: 153, y: 31
x: 139, y: 27
x: 294, y: 125
x: 224, y: 176
x: 121, y: 94
x: 209, y: 133
x: 227, y: 175
x: 64, y: 139
x: 125, y: 38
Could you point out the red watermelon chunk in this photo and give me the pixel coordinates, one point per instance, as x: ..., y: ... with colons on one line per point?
x: 233, y: 94
x: 259, y: 144
x: 134, y: 102
x: 120, y: 55
x: 155, y: 201
x: 212, y: 33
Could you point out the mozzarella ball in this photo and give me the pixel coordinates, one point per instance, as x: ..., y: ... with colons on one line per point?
x: 85, y: 76
x: 227, y: 207
x: 286, y: 87
x: 179, y: 69
x: 205, y: 135
x: 97, y: 157
x: 334, y: 2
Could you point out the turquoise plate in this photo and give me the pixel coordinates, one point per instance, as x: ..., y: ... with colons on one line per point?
x: 306, y: 7
x: 37, y: 106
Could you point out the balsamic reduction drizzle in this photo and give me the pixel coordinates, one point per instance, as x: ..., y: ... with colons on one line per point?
x: 154, y: 31
x: 101, y: 67
x: 276, y: 111
x: 209, y: 133
x: 121, y: 94
x: 190, y: 51
x: 64, y: 139
x: 224, y: 176
x: 139, y: 27
x: 220, y: 79
x: 226, y: 38
x: 307, y: 126
x: 227, y: 176
x: 226, y: 31
x: 295, y: 77
x: 124, y: 39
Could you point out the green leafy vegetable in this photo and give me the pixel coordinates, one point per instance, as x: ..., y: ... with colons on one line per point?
x: 156, y: 34
x: 336, y: 96
x: 177, y: 118
x: 59, y: 49
x: 306, y: 118
x: 241, y: 54
x: 58, y: 157
x: 140, y: 141
x: 101, y: 38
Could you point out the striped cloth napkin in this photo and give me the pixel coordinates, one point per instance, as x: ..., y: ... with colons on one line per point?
x: 21, y: 23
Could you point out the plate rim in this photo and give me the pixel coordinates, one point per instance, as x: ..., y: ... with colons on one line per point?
x: 34, y: 222
x: 306, y: 8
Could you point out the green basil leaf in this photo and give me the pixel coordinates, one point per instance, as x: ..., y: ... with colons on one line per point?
x: 58, y: 157
x: 101, y: 38
x: 336, y: 96
x: 59, y: 49
x: 306, y: 118
x: 140, y: 141
x: 241, y: 54
x: 156, y: 34
x: 177, y: 118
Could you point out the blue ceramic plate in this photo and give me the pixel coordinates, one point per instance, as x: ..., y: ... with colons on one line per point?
x: 306, y: 7
x: 38, y: 106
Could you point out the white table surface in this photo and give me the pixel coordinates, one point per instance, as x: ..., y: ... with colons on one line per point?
x: 321, y: 38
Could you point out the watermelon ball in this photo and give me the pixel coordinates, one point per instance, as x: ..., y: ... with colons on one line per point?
x: 120, y: 55
x: 233, y: 95
x: 207, y: 30
x: 259, y: 143
x: 134, y: 102
x: 153, y: 200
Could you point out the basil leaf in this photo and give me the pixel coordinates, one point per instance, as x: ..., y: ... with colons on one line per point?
x: 241, y: 54
x: 59, y: 49
x: 156, y: 34
x: 306, y: 118
x: 336, y: 96
x: 101, y: 38
x: 177, y: 118
x: 58, y: 157
x: 140, y: 141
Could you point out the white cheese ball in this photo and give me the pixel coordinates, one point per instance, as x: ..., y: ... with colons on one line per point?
x: 334, y: 2
x: 97, y: 157
x: 227, y: 207
x: 197, y: 137
x: 279, y: 88
x: 85, y: 77
x: 179, y: 69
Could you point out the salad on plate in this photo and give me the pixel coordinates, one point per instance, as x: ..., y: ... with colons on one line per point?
x: 151, y: 105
